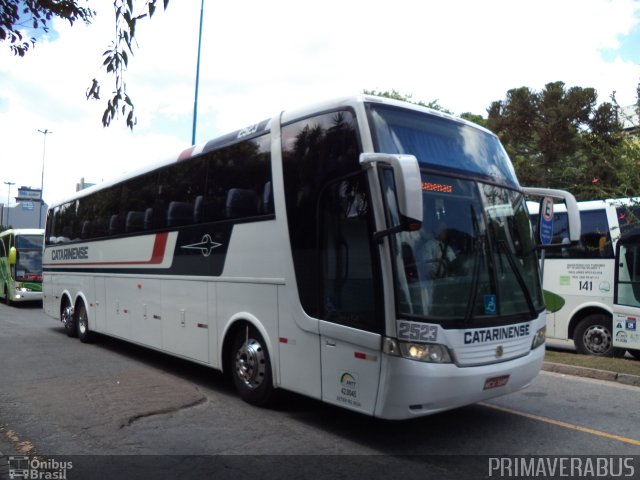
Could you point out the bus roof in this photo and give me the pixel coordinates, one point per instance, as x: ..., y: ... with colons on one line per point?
x: 22, y: 231
x: 256, y: 129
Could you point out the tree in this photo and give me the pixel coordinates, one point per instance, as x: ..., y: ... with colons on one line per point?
x: 16, y: 15
x: 558, y: 138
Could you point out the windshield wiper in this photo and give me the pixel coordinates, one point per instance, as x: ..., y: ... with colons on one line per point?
x: 502, y: 245
x: 475, y: 277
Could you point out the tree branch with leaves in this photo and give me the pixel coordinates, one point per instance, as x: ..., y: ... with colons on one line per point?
x: 116, y: 59
x: 18, y: 15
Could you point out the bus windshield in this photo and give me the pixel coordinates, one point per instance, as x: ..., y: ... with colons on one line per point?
x: 473, y: 258
x: 441, y: 143
x: 29, y: 258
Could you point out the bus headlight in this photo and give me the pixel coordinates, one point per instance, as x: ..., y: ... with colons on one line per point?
x: 539, y: 338
x: 422, y: 352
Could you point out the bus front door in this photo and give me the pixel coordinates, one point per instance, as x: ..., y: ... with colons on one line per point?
x: 350, y: 366
x: 626, y: 308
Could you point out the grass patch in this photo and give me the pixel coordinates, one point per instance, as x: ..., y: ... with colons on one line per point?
x: 619, y: 365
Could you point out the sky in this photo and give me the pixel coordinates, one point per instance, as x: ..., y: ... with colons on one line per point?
x: 259, y: 58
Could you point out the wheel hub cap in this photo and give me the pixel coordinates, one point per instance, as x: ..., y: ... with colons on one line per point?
x: 597, y: 339
x: 250, y: 363
x: 67, y: 313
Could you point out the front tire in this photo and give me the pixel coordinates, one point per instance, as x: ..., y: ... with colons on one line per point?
x: 251, y: 367
x: 7, y: 300
x: 593, y: 336
x: 84, y: 334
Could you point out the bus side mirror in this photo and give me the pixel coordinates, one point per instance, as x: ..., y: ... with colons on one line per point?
x: 12, y: 256
x: 405, y: 181
x: 548, y: 195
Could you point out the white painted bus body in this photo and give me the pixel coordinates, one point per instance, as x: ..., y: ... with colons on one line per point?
x: 127, y: 286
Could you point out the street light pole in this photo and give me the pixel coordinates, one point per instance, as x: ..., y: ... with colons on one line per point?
x: 8, y: 200
x: 195, y: 101
x: 45, y: 132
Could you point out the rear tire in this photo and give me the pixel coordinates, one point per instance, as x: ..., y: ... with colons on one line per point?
x: 84, y: 334
x: 251, y: 367
x: 593, y: 336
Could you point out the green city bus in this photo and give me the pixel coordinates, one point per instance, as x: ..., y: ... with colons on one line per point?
x: 21, y: 265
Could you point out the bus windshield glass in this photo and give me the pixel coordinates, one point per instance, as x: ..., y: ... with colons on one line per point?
x: 441, y: 143
x: 473, y: 259
x: 29, y: 258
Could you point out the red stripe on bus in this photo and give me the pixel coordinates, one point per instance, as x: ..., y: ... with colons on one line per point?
x: 159, y: 246
x: 186, y: 154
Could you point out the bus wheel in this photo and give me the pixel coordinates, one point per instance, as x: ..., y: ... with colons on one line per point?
x: 593, y: 337
x: 68, y: 320
x: 84, y: 334
x: 251, y: 367
x: 7, y: 300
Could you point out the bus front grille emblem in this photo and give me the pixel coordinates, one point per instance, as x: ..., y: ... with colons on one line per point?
x: 499, y: 351
x: 206, y: 245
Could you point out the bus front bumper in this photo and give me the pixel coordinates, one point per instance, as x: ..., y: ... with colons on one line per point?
x: 24, y: 295
x: 410, y: 388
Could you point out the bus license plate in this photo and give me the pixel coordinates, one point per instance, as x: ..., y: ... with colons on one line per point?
x: 495, y: 382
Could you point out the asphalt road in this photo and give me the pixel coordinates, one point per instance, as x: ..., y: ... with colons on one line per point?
x: 115, y: 410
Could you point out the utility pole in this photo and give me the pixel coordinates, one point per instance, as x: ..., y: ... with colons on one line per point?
x: 195, y: 101
x: 45, y: 132
x: 8, y: 200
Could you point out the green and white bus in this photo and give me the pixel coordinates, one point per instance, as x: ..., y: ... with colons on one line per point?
x: 293, y: 254
x: 579, y: 279
x: 21, y: 265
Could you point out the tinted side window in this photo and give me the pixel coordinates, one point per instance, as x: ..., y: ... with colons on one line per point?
x: 238, y: 181
x: 232, y: 183
x: 315, y: 151
x: 349, y: 290
x: 595, y: 238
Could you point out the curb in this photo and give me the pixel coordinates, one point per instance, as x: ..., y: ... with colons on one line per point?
x: 623, y: 378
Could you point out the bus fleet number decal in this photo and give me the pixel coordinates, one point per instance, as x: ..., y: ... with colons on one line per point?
x: 417, y: 332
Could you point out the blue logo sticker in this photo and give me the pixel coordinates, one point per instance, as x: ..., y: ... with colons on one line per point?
x: 490, y: 305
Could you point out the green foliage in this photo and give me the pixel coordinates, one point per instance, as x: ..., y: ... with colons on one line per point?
x: 559, y: 138
x: 472, y: 117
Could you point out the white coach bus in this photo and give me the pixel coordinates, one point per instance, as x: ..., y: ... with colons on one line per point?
x: 295, y: 254
x: 579, y: 279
